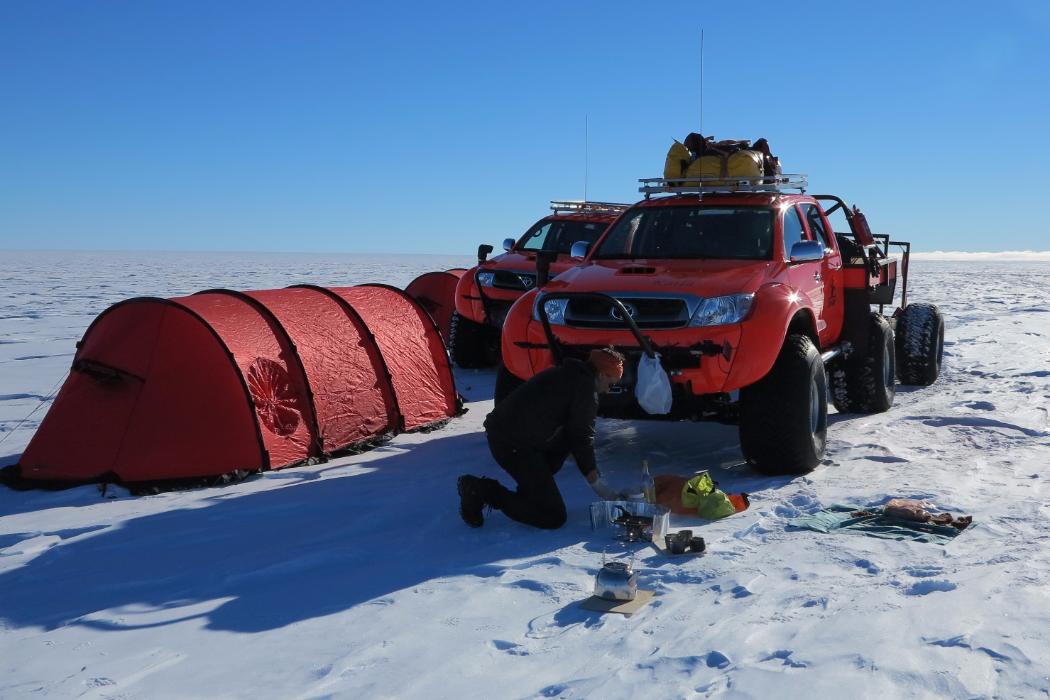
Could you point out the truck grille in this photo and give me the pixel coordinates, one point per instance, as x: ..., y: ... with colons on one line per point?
x: 521, y: 281
x: 648, y: 313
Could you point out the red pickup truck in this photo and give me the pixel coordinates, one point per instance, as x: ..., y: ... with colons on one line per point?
x: 757, y: 309
x: 486, y: 292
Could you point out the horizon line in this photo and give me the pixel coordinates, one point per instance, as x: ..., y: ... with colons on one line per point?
x: 957, y: 255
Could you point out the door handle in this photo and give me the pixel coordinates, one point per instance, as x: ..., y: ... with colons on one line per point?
x: 816, y: 276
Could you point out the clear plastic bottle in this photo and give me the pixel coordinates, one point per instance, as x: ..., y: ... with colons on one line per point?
x: 648, y: 483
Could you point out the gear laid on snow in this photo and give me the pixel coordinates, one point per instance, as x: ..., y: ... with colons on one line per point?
x: 698, y: 495
x: 876, y: 522
x: 616, y: 589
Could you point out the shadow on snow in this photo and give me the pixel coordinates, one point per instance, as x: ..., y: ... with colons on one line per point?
x: 323, y: 541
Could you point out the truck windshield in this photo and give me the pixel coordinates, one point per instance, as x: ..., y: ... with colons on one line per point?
x: 558, y: 236
x: 717, y: 233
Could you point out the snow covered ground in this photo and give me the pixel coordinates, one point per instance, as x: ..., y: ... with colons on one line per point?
x: 356, y: 578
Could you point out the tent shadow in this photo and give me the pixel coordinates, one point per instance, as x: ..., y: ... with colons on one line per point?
x: 319, y: 541
x: 267, y: 559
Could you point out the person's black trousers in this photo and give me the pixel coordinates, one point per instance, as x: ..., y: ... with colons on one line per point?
x: 537, y: 501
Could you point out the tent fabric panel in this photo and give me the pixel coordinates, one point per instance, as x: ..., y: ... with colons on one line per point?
x: 436, y: 292
x: 79, y: 438
x: 412, y: 349
x: 193, y: 417
x: 346, y: 379
x: 129, y: 335
x: 269, y: 367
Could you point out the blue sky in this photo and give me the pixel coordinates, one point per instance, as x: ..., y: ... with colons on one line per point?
x: 431, y: 127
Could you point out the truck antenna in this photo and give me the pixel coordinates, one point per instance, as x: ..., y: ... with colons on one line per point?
x: 701, y: 80
x: 586, y: 153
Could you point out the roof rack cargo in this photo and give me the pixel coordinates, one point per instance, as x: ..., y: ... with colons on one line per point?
x: 575, y: 206
x: 700, y: 185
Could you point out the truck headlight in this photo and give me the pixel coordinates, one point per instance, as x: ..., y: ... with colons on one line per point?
x: 555, y: 309
x: 485, y: 279
x: 721, y: 311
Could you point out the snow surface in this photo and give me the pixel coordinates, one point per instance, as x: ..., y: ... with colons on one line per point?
x: 356, y: 578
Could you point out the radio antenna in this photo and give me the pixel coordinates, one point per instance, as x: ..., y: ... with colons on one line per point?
x: 701, y: 80
x: 586, y: 153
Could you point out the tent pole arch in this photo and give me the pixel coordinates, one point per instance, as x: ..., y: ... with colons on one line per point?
x: 315, y: 430
x: 264, y: 454
x: 350, y: 311
x: 426, y: 315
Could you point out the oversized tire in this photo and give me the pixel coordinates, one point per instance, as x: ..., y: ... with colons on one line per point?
x: 865, y: 381
x: 920, y: 344
x: 506, y: 382
x: 469, y: 343
x: 784, y: 415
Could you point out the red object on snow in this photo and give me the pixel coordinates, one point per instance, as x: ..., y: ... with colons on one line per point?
x: 412, y: 349
x: 436, y: 292
x: 220, y: 381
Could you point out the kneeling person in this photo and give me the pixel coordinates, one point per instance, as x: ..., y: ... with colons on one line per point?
x: 533, y: 431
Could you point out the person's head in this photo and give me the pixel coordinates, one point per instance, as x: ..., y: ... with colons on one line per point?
x: 608, y: 365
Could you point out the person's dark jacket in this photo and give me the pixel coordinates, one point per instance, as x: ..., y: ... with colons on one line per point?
x: 557, y: 406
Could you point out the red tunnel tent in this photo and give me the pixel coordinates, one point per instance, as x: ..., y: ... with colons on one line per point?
x: 436, y: 292
x: 412, y: 349
x: 220, y: 381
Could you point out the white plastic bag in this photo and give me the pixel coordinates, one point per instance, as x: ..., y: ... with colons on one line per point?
x: 653, y: 388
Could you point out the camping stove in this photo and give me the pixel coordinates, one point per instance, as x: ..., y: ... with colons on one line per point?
x: 616, y: 580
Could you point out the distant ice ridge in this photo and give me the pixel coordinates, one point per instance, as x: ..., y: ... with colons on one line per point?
x: 1020, y: 255
x: 99, y: 278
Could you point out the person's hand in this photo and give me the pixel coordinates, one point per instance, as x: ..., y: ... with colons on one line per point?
x: 601, y: 487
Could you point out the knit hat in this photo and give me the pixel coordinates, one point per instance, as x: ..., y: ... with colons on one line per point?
x: 607, y: 363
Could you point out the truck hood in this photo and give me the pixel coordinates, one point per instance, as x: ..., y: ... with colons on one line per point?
x: 525, y: 262
x: 705, y: 278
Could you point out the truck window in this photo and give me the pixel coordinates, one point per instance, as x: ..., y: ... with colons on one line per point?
x: 816, y: 224
x: 793, y: 232
x: 691, y: 232
x: 558, y: 236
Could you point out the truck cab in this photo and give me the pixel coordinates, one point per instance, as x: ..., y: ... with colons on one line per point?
x: 486, y: 292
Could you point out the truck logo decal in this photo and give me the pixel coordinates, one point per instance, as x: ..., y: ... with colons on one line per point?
x: 615, y: 314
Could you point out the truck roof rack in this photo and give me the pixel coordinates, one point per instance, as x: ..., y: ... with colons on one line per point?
x: 575, y: 206
x: 736, y: 183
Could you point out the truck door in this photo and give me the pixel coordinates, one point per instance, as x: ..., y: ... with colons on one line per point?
x: 831, y: 271
x: 806, y: 278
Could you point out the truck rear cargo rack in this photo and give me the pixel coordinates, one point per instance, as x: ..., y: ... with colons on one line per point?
x: 575, y: 206
x: 701, y: 185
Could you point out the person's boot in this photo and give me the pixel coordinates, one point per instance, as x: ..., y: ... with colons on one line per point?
x: 471, y: 500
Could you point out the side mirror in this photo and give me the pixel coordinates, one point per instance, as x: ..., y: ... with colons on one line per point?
x: 508, y: 244
x: 807, y: 251
x: 483, y: 252
x: 579, y: 250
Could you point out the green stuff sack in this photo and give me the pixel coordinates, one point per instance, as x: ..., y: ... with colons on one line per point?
x: 710, y: 503
x: 677, y: 161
